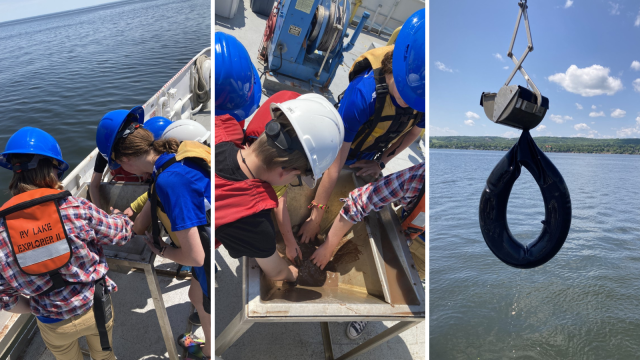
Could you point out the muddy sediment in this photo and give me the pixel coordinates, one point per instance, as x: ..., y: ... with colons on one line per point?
x: 349, y: 252
x: 311, y: 275
x: 308, y: 273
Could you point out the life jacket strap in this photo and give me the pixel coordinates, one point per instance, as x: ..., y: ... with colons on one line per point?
x: 102, y: 312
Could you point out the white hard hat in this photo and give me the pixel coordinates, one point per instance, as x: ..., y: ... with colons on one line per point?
x: 183, y: 130
x: 319, y: 128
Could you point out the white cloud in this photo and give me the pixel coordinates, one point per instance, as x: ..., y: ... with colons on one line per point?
x: 579, y: 106
x: 506, y: 67
x: 442, y: 67
x: 637, y: 23
x: 568, y: 4
x: 618, y: 113
x: 631, y: 131
x: 635, y: 65
x: 593, y: 122
x: 437, y: 131
x: 590, y: 81
x: 581, y: 126
x: 559, y: 118
x: 636, y: 85
x: 614, y: 8
x: 472, y: 115
x: 590, y: 134
x: 540, y: 128
x: 469, y: 122
x: 498, y: 56
x: 627, y: 132
x: 593, y: 107
x: 511, y: 134
x: 596, y: 114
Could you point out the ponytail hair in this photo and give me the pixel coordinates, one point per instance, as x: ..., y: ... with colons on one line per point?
x: 140, y: 142
x: 170, y: 146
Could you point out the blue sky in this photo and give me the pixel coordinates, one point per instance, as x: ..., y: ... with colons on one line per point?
x: 586, y: 60
x: 20, y: 9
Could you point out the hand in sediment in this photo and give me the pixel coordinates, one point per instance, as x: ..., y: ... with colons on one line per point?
x: 367, y: 167
x: 322, y: 255
x: 309, y: 230
x: 292, y: 251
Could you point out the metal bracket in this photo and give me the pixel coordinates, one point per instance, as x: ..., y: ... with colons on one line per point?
x: 518, y: 63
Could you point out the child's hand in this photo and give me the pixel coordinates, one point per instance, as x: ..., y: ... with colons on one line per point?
x: 292, y: 251
x: 129, y: 212
x: 322, y: 255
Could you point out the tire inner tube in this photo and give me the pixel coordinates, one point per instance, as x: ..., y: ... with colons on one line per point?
x: 493, y: 206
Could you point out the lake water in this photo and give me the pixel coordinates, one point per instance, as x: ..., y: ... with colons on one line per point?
x: 63, y: 72
x: 583, y: 304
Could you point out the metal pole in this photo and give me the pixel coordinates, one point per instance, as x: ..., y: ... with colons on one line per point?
x: 326, y: 341
x: 518, y: 65
x: 161, y: 311
x: 379, y: 339
x: 515, y: 32
x: 238, y: 326
x: 356, y: 33
x: 373, y: 20
x: 388, y: 17
x: 355, y: 7
x: 530, y: 82
x: 394, y: 35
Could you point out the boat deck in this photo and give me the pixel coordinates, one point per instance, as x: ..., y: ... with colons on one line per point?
x: 300, y: 340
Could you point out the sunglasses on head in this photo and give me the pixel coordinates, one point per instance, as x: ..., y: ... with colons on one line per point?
x: 122, y: 134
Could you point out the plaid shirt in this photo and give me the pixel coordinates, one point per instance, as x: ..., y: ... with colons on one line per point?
x: 403, y: 185
x: 88, y: 228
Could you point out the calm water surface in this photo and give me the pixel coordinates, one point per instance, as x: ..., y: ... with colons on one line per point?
x: 583, y: 304
x: 63, y: 72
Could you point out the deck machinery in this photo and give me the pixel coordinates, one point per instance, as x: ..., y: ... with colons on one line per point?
x: 307, y: 42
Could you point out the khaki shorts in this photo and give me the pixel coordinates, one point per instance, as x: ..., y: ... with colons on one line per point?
x: 62, y: 337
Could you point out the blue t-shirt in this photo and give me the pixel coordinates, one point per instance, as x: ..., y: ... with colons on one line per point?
x: 358, y: 105
x: 184, y: 190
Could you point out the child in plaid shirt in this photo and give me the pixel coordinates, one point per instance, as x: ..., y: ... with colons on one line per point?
x: 64, y: 314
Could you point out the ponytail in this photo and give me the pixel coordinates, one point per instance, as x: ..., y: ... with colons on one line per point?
x: 170, y: 146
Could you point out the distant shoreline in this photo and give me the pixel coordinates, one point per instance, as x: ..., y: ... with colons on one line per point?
x: 545, y: 143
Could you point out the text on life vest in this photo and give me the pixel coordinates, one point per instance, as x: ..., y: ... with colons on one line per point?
x: 44, y: 240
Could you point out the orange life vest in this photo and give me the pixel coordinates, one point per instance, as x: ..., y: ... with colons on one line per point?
x: 36, y: 231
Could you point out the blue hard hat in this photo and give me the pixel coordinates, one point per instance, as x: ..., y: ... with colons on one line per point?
x: 111, y: 125
x: 29, y: 140
x: 408, y: 61
x: 157, y: 125
x: 238, y: 90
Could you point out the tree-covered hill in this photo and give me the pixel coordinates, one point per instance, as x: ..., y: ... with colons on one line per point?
x: 546, y: 143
